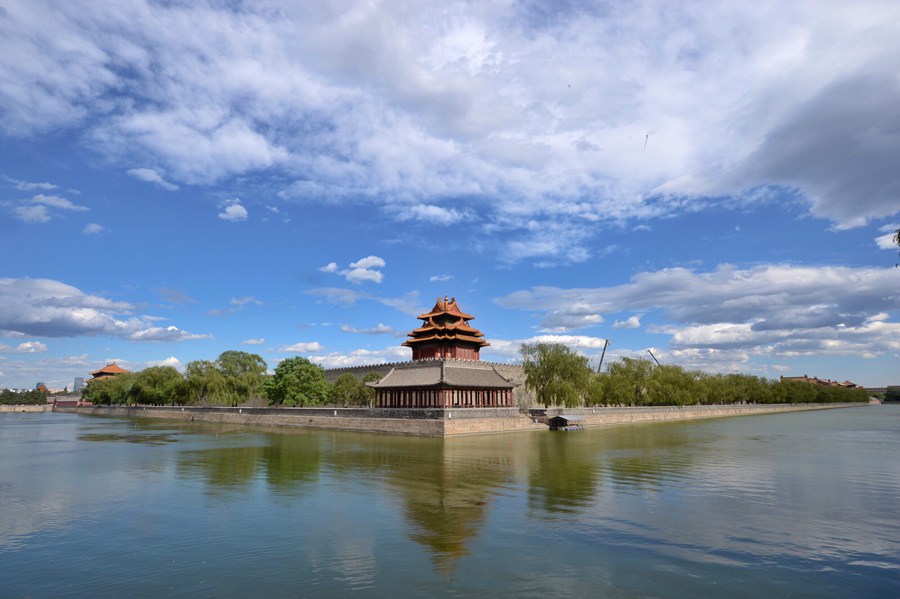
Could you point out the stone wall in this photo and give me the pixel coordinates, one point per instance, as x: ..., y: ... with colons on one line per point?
x: 609, y: 416
x: 433, y: 423
x: 26, y: 408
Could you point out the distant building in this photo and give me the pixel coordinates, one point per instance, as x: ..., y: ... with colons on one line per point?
x: 79, y: 384
x: 820, y: 382
x: 40, y: 387
x: 446, y: 370
x: 106, y: 372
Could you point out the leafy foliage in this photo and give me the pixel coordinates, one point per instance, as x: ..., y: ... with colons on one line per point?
x: 235, y: 377
x: 556, y: 374
x: 297, y: 382
x: 8, y: 397
x: 159, y: 385
x: 114, y: 390
x: 348, y: 390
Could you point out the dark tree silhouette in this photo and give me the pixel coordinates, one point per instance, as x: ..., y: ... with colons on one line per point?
x: 897, y: 241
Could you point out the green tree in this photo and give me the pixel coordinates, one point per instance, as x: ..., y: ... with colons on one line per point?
x: 671, y: 385
x: 30, y: 397
x: 244, y: 374
x: 159, y: 385
x: 892, y: 394
x: 114, y: 390
x: 297, y: 382
x: 371, y: 377
x: 347, y: 390
x: 556, y: 374
x: 206, y: 383
x: 627, y: 381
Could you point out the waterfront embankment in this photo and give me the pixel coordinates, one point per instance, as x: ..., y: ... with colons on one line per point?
x: 26, y: 408
x: 436, y: 423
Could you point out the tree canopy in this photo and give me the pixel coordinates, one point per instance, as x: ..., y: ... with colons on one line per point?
x: 556, y: 374
x: 235, y: 377
x: 348, y: 390
x: 297, y: 382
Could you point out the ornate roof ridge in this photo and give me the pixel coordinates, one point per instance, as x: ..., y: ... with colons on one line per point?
x: 422, y: 361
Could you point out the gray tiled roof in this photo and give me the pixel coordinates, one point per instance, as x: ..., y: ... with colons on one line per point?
x: 450, y: 373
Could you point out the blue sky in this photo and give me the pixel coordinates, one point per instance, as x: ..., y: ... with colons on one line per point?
x: 716, y: 182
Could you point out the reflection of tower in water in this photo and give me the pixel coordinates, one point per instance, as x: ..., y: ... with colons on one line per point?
x: 447, y: 493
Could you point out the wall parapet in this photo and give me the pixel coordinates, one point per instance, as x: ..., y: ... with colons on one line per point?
x: 434, y: 422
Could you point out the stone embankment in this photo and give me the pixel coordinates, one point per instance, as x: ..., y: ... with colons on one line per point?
x: 433, y: 423
x: 26, y: 408
x: 610, y: 416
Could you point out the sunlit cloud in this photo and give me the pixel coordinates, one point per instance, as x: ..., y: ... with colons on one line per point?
x: 151, y: 176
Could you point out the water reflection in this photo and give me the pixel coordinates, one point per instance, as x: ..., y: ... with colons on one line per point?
x: 287, y: 462
x: 774, y: 505
x: 447, y: 494
x: 444, y: 487
x: 563, y: 474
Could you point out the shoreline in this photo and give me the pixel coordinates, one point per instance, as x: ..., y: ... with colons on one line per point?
x: 432, y: 422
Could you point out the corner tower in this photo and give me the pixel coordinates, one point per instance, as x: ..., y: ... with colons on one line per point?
x: 445, y: 333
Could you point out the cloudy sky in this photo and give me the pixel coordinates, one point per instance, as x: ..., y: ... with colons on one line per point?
x: 715, y: 182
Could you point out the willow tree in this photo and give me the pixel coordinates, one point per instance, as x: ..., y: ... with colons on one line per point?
x: 556, y: 374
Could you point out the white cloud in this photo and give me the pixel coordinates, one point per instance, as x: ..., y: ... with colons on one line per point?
x: 369, y: 262
x: 31, y: 347
x: 32, y: 214
x: 164, y: 334
x: 379, y: 329
x: 170, y: 361
x: 431, y: 214
x: 233, y: 211
x: 243, y: 301
x: 364, y: 270
x: 48, y: 308
x: 151, y: 176
x: 633, y: 322
x: 361, y: 357
x: 41, y: 208
x: 479, y: 110
x: 886, y: 241
x: 259, y: 341
x: 57, y: 202
x: 360, y: 271
x: 775, y: 310
x: 508, y: 350
x: 360, y: 275
x: 437, y: 278
x: 92, y: 229
x: 27, y: 347
x: 30, y: 186
x: 303, y: 347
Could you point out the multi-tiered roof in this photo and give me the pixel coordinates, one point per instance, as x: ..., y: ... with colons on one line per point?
x: 446, y: 370
x: 446, y: 333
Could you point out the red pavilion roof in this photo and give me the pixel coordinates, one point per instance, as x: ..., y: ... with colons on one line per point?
x: 109, y: 370
x: 446, y: 325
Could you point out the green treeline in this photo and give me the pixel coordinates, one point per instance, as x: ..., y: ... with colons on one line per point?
x: 234, y: 378
x: 558, y: 376
x: 8, y: 397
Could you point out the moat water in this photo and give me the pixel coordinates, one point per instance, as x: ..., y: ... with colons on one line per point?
x: 789, y: 505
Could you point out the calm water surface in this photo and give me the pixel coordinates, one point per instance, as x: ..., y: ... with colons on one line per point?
x: 790, y: 505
